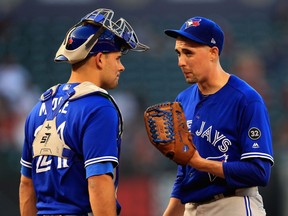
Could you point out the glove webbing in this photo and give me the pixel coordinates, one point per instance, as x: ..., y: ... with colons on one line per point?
x: 170, y: 135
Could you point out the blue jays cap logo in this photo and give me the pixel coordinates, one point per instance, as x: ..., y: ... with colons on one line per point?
x: 193, y: 23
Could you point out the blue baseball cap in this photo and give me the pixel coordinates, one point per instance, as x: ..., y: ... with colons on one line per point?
x: 200, y: 30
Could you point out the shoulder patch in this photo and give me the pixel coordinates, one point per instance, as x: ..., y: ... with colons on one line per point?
x: 254, y: 133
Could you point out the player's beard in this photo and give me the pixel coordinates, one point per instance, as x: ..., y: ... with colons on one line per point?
x: 112, y: 84
x: 190, y: 79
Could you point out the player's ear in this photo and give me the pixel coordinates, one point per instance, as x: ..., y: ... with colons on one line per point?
x: 214, y: 51
x: 99, y: 59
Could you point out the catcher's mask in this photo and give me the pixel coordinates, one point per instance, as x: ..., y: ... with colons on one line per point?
x: 96, y: 32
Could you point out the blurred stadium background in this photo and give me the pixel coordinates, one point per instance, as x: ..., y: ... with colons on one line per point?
x: 255, y: 49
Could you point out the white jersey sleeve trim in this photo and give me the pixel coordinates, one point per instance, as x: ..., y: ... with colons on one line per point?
x: 25, y: 163
x: 101, y: 159
x: 257, y: 155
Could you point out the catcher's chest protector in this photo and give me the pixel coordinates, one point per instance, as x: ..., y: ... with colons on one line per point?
x: 47, y: 140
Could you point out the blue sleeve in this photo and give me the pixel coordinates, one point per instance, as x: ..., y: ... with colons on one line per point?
x: 26, y: 171
x: 247, y: 173
x: 256, y: 135
x: 101, y: 136
x: 176, y: 191
x: 26, y: 158
x: 99, y: 169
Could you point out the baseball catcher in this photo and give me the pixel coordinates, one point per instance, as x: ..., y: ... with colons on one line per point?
x: 72, y: 145
x: 167, y: 131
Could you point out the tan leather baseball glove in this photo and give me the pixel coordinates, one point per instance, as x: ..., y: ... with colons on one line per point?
x: 167, y: 130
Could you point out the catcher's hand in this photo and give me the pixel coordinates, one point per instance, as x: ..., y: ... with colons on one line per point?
x: 167, y: 130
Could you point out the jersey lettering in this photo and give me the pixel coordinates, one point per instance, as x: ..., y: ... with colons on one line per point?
x: 189, y: 123
x: 55, y: 103
x: 217, y: 138
x: 42, y: 110
x: 223, y: 146
x: 207, y: 133
x: 63, y: 109
x: 198, y: 133
x: 62, y: 163
x: 43, y: 164
x: 60, y: 131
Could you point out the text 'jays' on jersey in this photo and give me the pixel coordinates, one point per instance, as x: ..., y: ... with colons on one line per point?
x: 89, y: 125
x: 230, y: 125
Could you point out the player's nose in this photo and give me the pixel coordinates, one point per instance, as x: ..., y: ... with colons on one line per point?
x: 181, y: 62
x: 121, y: 67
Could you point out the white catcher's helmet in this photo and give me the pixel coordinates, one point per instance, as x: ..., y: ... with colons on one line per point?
x: 96, y: 32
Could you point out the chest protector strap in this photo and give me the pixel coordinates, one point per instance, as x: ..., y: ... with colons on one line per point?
x: 47, y: 140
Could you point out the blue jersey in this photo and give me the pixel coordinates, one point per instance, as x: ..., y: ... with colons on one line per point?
x: 89, y: 126
x: 228, y: 126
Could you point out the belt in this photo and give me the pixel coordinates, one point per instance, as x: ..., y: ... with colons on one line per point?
x: 252, y: 191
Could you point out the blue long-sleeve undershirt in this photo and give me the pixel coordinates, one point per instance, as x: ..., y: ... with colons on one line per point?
x: 247, y: 173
